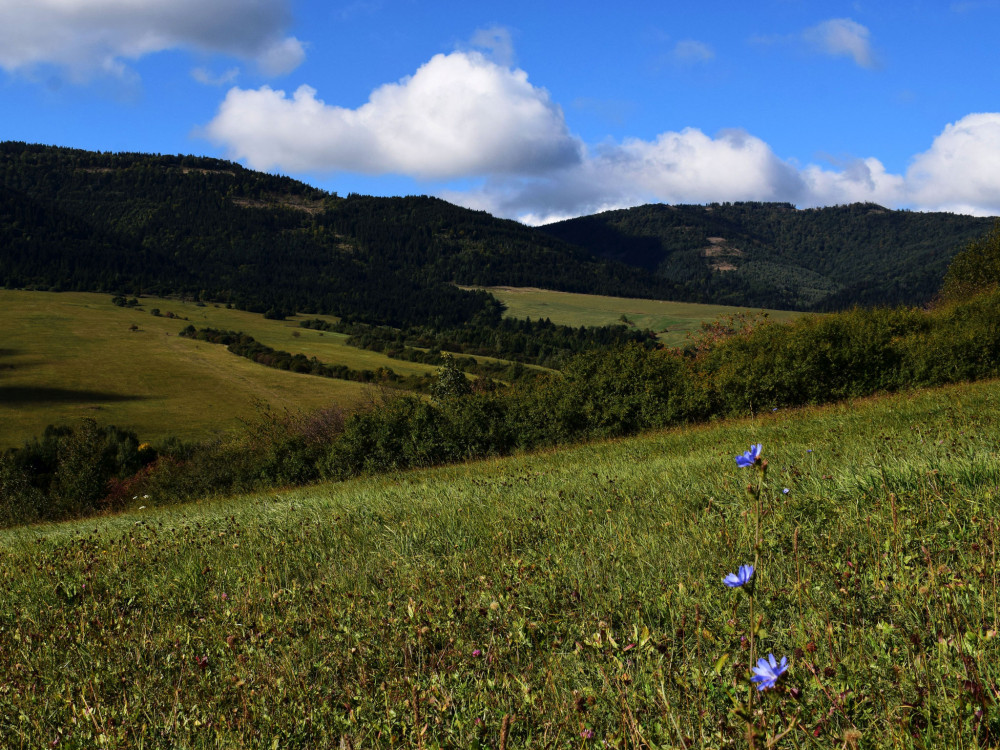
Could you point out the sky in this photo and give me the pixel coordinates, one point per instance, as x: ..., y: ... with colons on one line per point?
x: 535, y: 111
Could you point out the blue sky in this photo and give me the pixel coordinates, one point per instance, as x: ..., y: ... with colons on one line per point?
x: 531, y: 110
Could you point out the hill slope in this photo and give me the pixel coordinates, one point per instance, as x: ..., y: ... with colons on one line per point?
x: 211, y: 229
x: 773, y: 255
x: 85, y: 221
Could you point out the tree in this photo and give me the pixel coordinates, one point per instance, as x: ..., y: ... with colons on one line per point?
x: 974, y: 270
x: 450, y: 382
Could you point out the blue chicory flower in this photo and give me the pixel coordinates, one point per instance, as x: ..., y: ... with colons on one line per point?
x: 767, y: 671
x: 740, y: 578
x: 750, y: 457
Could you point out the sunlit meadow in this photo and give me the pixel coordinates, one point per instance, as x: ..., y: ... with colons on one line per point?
x: 573, y: 598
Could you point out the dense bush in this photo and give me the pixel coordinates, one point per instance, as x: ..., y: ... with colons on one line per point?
x: 814, y: 360
x: 67, y: 472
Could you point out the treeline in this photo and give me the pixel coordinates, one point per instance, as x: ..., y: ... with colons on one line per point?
x: 244, y: 345
x: 773, y: 255
x: 735, y: 370
x: 537, y: 342
x: 72, y: 471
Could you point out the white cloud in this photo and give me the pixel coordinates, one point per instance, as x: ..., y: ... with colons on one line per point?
x: 691, y: 51
x: 677, y: 167
x: 459, y: 115
x: 842, y: 37
x: 961, y: 170
x: 960, y: 173
x: 463, y: 116
x: 858, y: 181
x: 89, y: 37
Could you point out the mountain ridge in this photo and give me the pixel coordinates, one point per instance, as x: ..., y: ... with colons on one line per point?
x: 777, y: 255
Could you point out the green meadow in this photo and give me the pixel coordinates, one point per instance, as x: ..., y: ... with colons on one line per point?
x: 72, y: 355
x: 66, y: 356
x: 671, y: 321
x: 564, y: 599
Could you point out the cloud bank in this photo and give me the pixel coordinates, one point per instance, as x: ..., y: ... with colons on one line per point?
x: 463, y: 116
x: 88, y: 37
x: 960, y: 173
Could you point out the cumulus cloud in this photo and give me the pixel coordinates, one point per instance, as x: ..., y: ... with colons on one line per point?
x: 676, y: 167
x: 91, y: 36
x: 282, y: 56
x: 857, y: 181
x: 842, y: 37
x: 960, y: 172
x: 459, y: 115
x: 463, y: 116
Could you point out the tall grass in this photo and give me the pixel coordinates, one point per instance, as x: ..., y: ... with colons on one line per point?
x: 561, y: 599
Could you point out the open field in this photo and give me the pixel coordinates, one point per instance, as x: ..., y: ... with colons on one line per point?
x: 563, y: 599
x: 71, y: 355
x: 672, y: 321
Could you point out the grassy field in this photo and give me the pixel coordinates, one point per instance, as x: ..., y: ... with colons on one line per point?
x: 672, y: 321
x: 72, y: 355
x: 567, y: 599
x: 67, y: 356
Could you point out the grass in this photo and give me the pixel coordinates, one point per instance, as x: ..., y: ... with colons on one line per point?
x: 672, y: 321
x: 560, y: 599
x: 72, y: 355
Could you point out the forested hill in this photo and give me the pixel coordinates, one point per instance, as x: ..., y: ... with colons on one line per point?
x: 131, y: 223
x: 213, y: 230
x: 774, y: 255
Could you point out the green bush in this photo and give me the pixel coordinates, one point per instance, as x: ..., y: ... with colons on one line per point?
x: 813, y: 360
x: 69, y: 470
x: 401, y: 433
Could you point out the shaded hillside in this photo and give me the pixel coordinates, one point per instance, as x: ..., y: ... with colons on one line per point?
x: 774, y: 255
x: 213, y: 230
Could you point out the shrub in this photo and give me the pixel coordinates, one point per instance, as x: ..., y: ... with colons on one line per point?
x: 975, y: 270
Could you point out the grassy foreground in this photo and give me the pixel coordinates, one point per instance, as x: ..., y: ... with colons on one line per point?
x: 552, y: 600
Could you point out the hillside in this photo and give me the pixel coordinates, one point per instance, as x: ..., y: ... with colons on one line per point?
x: 209, y: 229
x: 774, y: 255
x: 64, y: 357
x: 565, y: 599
